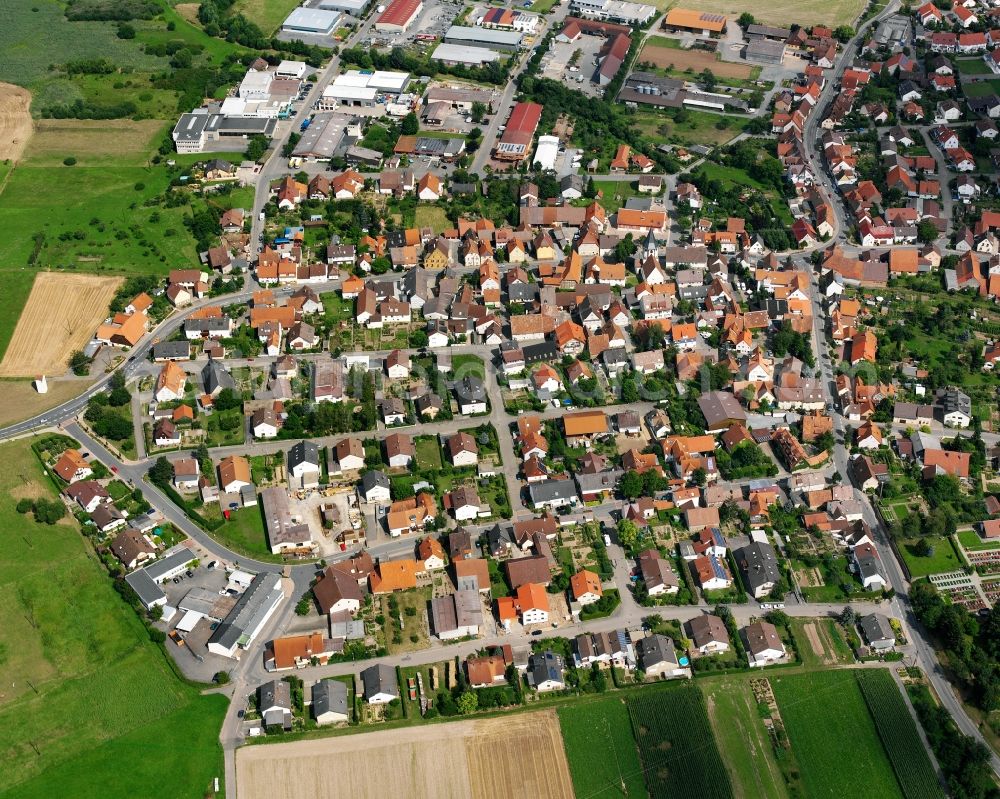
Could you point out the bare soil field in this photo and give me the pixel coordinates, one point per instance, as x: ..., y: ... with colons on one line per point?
x: 91, y: 142
x: 697, y: 60
x: 15, y: 121
x: 21, y: 401
x: 60, y: 316
x: 785, y: 12
x: 505, y: 757
x: 814, y: 640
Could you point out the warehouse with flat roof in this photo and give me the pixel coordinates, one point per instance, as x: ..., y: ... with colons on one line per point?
x: 515, y: 144
x: 398, y: 16
x: 323, y: 137
x: 462, y: 54
x: 352, y: 7
x: 490, y: 38
x: 312, y: 21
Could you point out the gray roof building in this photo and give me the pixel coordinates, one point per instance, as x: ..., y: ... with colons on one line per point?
x: 758, y: 565
x: 329, y: 701
x: 252, y: 609
x: 275, y: 703
x: 305, y: 453
x: 553, y: 492
x: 216, y: 378
x: 545, y: 671
x: 379, y: 682
x: 172, y: 351
x: 656, y: 652
x: 721, y: 409
x: 145, y: 582
x: 877, y: 631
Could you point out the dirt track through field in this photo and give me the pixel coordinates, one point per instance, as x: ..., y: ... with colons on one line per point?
x: 512, y: 757
x: 61, y: 315
x: 698, y: 60
x: 15, y: 121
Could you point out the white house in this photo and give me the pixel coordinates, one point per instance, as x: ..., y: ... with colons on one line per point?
x: 762, y: 643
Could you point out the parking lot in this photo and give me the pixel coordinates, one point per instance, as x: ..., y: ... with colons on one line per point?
x: 193, y: 657
x: 434, y: 20
x: 556, y: 63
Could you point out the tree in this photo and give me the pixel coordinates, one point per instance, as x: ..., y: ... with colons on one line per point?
x: 468, y: 703
x: 24, y: 505
x: 478, y: 111
x: 410, y: 124
x: 221, y: 677
x: 162, y: 471
x: 927, y: 232
x: 628, y: 533
x: 844, y: 33
x: 418, y: 339
x: 631, y: 484
x: 848, y: 616
x: 227, y: 400
x: 746, y: 20
x: 708, y: 80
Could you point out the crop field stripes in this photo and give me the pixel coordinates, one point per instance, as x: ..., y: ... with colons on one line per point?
x: 678, y: 749
x: 899, y: 735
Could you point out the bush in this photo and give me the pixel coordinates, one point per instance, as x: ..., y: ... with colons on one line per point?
x: 24, y: 505
x: 69, y: 161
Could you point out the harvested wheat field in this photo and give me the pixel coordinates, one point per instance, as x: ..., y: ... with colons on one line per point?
x: 784, y: 12
x: 61, y: 315
x: 512, y: 757
x: 21, y: 401
x: 15, y: 121
x: 696, y: 60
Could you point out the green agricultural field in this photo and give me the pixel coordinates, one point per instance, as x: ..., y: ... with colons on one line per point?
x: 603, y: 759
x: 943, y: 557
x: 81, y: 698
x: 899, y: 735
x: 743, y: 740
x: 679, y: 753
x: 828, y: 725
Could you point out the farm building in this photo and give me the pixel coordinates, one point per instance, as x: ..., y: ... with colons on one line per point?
x: 765, y: 51
x: 683, y: 19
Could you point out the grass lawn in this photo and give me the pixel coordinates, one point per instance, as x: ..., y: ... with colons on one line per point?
x: 603, y: 759
x: 982, y: 88
x: 88, y: 695
x: 829, y: 726
x: 971, y: 540
x: 414, y: 627
x: 699, y: 127
x: 543, y: 6
x: 432, y: 216
x: 267, y: 14
x: 427, y: 452
x: 971, y: 66
x: 615, y: 193
x: 216, y: 436
x: 466, y: 365
x: 244, y: 533
x: 743, y: 740
x: 942, y: 559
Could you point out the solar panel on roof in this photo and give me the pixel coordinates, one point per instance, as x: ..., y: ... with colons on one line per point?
x: 717, y: 568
